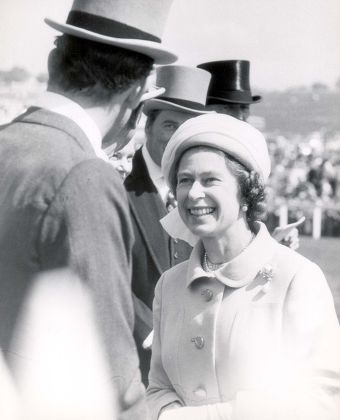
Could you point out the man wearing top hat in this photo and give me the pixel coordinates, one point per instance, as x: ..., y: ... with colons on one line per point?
x: 230, y: 93
x: 154, y: 251
x: 229, y: 90
x: 61, y: 204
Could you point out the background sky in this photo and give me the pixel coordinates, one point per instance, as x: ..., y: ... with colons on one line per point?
x: 289, y: 42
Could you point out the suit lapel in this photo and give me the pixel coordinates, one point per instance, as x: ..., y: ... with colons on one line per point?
x: 148, y: 208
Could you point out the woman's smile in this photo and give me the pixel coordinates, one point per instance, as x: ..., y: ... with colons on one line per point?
x: 201, y: 211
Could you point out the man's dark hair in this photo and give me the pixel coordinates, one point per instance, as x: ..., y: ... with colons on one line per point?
x: 94, y: 70
x: 152, y: 115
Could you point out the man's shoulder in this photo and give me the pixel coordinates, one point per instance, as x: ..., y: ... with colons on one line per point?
x: 44, y: 132
x: 89, y: 189
x: 93, y: 178
x: 99, y: 170
x: 47, y: 158
x: 45, y: 142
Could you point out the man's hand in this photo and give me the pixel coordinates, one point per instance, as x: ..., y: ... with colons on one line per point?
x: 289, y: 235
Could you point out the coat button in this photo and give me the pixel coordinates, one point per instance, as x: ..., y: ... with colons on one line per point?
x: 200, y: 393
x: 176, y: 255
x: 208, y: 294
x: 176, y: 241
x: 199, y: 342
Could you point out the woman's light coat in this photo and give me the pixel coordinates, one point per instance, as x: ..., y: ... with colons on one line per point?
x: 256, y: 340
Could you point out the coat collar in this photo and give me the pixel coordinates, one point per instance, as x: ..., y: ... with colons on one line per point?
x: 241, y: 270
x: 62, y: 105
x: 155, y: 171
x: 44, y: 117
x: 155, y: 174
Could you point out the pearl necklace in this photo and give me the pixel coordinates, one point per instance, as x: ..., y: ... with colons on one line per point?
x: 208, y: 266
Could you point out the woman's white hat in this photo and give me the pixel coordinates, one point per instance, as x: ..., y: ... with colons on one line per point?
x: 223, y: 132
x: 135, y: 25
x: 185, y: 90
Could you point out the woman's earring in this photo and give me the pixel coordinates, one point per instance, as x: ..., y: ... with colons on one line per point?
x: 244, y: 208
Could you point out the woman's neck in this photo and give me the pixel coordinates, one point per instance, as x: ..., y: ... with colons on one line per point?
x: 226, y: 247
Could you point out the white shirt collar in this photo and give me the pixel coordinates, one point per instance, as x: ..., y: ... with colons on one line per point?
x: 64, y: 106
x: 155, y: 174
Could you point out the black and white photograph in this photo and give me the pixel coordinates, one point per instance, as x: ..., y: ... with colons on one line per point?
x: 170, y: 210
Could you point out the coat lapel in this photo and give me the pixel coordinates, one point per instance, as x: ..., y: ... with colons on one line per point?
x: 148, y: 208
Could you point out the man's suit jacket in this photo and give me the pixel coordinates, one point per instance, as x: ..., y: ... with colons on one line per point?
x: 153, y: 251
x: 61, y: 206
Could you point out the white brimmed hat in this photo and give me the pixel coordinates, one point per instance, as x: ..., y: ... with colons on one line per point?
x: 135, y: 25
x: 223, y: 132
x: 185, y: 90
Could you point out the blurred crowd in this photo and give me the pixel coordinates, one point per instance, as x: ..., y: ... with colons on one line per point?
x: 305, y: 175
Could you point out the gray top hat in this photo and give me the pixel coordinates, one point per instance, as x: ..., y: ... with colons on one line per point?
x: 185, y: 90
x: 130, y: 24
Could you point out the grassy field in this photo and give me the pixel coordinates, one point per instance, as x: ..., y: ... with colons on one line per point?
x: 326, y: 253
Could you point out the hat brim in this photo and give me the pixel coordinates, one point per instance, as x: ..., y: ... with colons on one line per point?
x: 151, y: 49
x: 154, y: 92
x: 161, y: 105
x: 254, y: 99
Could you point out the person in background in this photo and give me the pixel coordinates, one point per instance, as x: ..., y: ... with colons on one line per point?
x: 322, y: 176
x: 62, y: 205
x: 154, y: 251
x: 122, y: 159
x: 245, y: 329
x: 230, y: 93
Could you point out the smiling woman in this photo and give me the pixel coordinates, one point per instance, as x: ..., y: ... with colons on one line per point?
x: 202, y: 195
x: 213, y: 177
x: 254, y: 332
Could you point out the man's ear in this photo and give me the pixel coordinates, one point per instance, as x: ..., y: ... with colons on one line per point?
x: 136, y: 92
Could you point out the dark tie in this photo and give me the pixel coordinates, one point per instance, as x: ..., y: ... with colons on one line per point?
x: 170, y: 202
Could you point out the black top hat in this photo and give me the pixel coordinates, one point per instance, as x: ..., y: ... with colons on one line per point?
x: 229, y: 82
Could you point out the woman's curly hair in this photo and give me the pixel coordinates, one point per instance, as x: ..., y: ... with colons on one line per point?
x: 252, y: 189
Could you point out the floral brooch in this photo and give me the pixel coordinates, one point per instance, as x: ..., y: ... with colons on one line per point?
x: 267, y: 273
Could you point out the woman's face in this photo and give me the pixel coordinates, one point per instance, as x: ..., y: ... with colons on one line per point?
x: 207, y: 192
x: 122, y: 160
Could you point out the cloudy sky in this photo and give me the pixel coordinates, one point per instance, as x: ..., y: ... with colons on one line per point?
x: 289, y: 42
